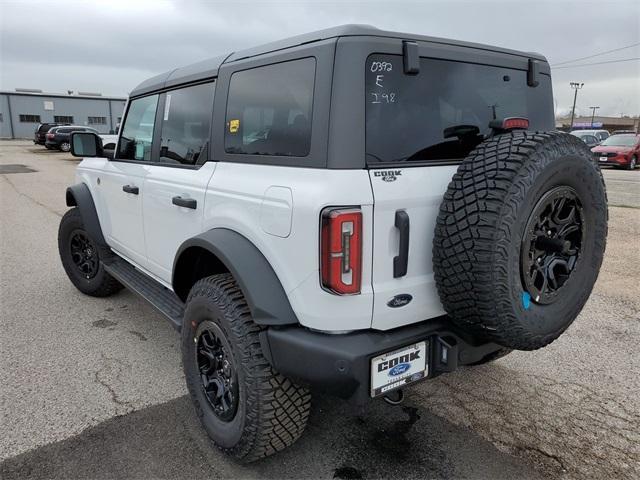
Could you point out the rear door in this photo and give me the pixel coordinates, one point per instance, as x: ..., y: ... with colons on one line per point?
x: 418, y: 129
x: 175, y: 186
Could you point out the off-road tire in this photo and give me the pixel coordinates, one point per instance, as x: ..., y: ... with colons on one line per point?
x: 272, y: 411
x: 479, y: 233
x: 492, y: 357
x: 100, y: 285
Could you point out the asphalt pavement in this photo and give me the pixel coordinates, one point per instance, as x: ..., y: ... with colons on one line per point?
x: 93, y: 388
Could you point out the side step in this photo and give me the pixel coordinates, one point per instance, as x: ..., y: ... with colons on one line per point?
x: 163, y: 299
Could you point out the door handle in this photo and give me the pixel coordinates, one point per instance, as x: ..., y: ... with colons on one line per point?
x: 184, y: 202
x: 131, y: 189
x: 400, y: 262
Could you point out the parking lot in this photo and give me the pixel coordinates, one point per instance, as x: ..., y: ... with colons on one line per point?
x: 93, y: 387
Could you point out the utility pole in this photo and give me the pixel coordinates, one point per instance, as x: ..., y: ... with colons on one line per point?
x: 576, y: 86
x: 593, y: 114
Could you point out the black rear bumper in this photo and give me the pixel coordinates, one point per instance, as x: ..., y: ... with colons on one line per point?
x: 339, y: 364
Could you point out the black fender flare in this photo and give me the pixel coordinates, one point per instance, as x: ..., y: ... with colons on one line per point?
x: 258, y: 281
x: 79, y: 195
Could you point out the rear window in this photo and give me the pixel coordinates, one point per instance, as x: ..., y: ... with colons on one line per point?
x: 269, y: 109
x: 444, y: 111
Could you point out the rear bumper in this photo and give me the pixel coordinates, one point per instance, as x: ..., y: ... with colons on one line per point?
x: 340, y: 364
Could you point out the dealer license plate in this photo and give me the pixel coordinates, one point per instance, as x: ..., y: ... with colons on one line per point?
x: 603, y: 159
x: 399, y: 368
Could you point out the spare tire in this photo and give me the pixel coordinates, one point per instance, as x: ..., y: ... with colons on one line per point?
x: 520, y: 238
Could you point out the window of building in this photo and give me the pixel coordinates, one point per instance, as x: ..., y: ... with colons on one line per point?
x: 1, y: 117
x: 185, y: 125
x: 269, y: 109
x: 63, y: 119
x: 97, y: 120
x: 137, y: 131
x: 27, y: 118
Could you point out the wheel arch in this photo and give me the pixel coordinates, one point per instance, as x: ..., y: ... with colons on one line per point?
x: 223, y: 250
x: 80, y: 196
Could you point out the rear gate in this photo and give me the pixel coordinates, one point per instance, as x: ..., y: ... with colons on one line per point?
x: 406, y: 204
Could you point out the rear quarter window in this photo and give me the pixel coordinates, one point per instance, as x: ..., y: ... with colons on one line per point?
x: 444, y: 111
x: 269, y: 109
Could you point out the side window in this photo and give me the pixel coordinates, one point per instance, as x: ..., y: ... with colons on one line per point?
x: 269, y: 109
x: 137, y: 133
x: 185, y: 125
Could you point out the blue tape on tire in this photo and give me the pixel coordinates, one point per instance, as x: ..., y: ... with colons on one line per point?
x: 526, y: 300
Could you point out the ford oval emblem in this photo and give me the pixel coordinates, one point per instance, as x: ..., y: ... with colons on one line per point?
x: 399, y: 369
x: 399, y: 300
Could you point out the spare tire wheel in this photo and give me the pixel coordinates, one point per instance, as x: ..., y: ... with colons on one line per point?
x: 520, y: 237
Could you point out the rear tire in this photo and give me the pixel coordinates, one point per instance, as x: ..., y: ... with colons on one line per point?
x: 520, y: 238
x: 248, y: 409
x: 82, y: 258
x: 65, y: 147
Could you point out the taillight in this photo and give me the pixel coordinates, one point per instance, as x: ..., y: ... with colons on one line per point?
x: 341, y: 250
x: 50, y: 135
x: 511, y: 123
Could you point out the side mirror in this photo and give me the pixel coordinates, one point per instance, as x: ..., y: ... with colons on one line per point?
x: 86, y: 144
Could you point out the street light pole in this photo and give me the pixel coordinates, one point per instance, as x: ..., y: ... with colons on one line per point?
x: 593, y: 114
x: 576, y: 86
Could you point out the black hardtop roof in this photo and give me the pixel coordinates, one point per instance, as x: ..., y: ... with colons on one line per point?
x: 209, y: 68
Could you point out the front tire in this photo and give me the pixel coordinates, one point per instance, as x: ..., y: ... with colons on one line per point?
x: 632, y: 163
x: 248, y: 409
x: 82, y: 258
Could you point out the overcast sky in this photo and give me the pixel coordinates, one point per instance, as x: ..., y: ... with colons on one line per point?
x: 110, y: 46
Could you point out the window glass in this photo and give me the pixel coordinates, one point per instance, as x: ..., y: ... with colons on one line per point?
x: 63, y: 118
x: 27, y: 118
x: 137, y: 133
x: 97, y: 120
x: 185, y: 125
x: 444, y: 111
x: 269, y: 109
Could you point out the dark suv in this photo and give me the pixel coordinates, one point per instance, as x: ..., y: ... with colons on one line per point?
x: 39, y: 136
x: 59, y: 138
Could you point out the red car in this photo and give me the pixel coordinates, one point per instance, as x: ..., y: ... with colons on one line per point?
x: 619, y: 150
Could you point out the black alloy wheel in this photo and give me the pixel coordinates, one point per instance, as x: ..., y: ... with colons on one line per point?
x: 551, y: 245
x: 84, y: 254
x: 217, y: 371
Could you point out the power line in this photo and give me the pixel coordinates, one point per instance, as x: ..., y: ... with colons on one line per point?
x: 597, y: 63
x: 597, y: 54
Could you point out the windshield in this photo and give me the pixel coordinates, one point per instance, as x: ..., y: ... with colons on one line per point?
x: 444, y: 111
x: 620, y: 141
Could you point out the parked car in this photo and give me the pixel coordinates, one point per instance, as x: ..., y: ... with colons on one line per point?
x: 59, y: 138
x: 347, y: 216
x: 589, y: 139
x: 601, y: 135
x: 620, y: 150
x: 40, y: 135
x: 620, y: 132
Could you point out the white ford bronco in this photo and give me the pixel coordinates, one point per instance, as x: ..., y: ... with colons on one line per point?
x: 350, y: 210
